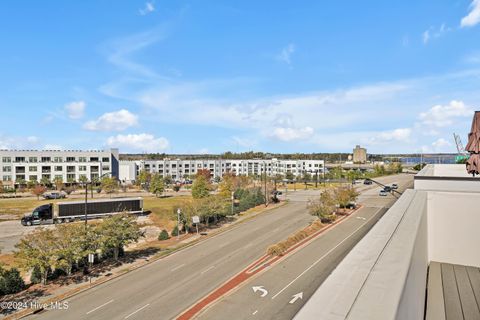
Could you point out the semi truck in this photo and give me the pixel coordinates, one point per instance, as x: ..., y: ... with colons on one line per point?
x: 75, y: 211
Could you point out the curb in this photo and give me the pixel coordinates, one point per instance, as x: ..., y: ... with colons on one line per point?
x: 256, y: 267
x: 27, y: 312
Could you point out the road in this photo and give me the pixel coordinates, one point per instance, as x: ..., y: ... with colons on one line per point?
x: 163, y: 289
x: 282, y: 289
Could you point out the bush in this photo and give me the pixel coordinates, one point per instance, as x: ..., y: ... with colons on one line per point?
x: 163, y: 235
x: 11, y: 282
x: 36, y: 276
x: 276, y: 250
x: 174, y: 232
x: 176, y: 188
x: 328, y: 218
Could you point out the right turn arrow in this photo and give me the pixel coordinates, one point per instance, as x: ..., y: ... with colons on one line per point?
x: 295, y: 297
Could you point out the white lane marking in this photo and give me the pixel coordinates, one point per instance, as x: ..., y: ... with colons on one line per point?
x: 103, y: 305
x: 178, y: 267
x: 322, y: 257
x: 131, y: 314
x: 255, y: 312
x: 209, y: 268
x: 361, y: 218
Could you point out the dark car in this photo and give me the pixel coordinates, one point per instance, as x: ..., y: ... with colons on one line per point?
x: 394, y: 186
x: 387, y: 188
x: 367, y: 181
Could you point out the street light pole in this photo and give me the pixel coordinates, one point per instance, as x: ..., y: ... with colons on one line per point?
x: 86, y: 196
x: 178, y: 223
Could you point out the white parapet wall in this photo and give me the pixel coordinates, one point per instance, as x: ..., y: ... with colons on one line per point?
x: 384, y: 276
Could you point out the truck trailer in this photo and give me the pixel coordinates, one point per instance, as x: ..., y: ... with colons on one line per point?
x: 74, y: 211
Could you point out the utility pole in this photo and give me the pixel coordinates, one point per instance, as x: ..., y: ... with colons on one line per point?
x: 265, y: 172
x: 316, y: 178
x: 233, y: 199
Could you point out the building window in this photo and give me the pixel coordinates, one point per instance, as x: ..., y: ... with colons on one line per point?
x: 7, y: 169
x: 82, y: 168
x: 32, y: 159
x: 70, y: 169
x: 82, y: 159
x: 46, y: 159
x: 57, y: 159
x: 7, y: 178
x: 58, y: 168
x: 93, y: 159
x: 174, y: 166
x: 58, y: 177
x: 70, y: 178
x: 105, y: 159
x: 105, y: 168
x: 33, y: 178
x: 19, y: 159
x: 32, y: 169
x: 6, y: 159
x: 70, y: 159
x: 46, y: 169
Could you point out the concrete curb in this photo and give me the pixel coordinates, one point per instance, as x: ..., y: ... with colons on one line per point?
x: 27, y: 312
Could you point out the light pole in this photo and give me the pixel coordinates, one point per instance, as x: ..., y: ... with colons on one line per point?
x: 178, y: 223
x: 86, y: 195
x: 233, y: 199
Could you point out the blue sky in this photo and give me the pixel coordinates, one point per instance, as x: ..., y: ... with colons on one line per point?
x: 216, y: 76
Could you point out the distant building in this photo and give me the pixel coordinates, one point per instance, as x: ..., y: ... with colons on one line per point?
x: 177, y: 169
x: 359, y: 155
x: 69, y: 165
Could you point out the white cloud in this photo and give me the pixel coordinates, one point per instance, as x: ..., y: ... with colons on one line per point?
x: 291, y: 134
x: 441, y: 145
x: 444, y: 115
x: 142, y: 142
x: 148, y: 8
x: 75, y: 109
x: 426, y: 36
x: 286, y: 54
x: 113, y: 121
x: 473, y: 17
x: 52, y: 147
x: 9, y: 142
x: 396, y: 135
x: 434, y: 33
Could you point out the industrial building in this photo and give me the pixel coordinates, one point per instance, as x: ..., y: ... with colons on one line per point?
x: 359, y: 155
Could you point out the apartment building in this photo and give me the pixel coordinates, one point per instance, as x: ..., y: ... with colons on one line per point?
x: 178, y: 168
x: 69, y: 165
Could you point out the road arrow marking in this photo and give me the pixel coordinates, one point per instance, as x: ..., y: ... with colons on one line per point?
x: 295, y: 297
x: 261, y: 289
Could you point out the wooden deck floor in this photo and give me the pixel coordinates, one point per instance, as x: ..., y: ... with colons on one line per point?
x: 453, y: 292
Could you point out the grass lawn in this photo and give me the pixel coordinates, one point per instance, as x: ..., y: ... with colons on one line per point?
x: 163, y: 209
x: 20, y: 206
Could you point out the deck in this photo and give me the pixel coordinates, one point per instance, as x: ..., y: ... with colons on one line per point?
x: 453, y: 292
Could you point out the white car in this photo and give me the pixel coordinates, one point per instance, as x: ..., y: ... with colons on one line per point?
x: 383, y: 193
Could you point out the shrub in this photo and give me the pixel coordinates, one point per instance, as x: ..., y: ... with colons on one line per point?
x: 176, y: 188
x: 328, y: 218
x: 275, y: 250
x: 11, y: 282
x: 163, y: 235
x: 174, y: 232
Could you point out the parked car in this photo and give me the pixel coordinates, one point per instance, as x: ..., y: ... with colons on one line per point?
x: 351, y: 205
x: 383, y: 193
x: 367, y: 181
x: 394, y: 186
x: 387, y: 188
x: 54, y: 195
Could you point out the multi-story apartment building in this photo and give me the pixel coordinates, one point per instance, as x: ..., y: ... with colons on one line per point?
x: 69, y: 165
x: 177, y: 168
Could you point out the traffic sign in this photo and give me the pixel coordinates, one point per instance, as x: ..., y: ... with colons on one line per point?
x: 196, y: 219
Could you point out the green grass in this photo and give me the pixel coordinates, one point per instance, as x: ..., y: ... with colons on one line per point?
x: 20, y: 206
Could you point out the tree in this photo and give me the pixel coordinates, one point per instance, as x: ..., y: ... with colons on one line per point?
x: 174, y: 232
x: 157, y: 185
x: 109, y: 184
x: 69, y: 246
x: 38, y: 190
x: 37, y: 250
x: 10, y: 281
x: 144, y: 179
x: 200, y: 187
x: 118, y: 231
x: 46, y: 182
x: 168, y: 180
x: 205, y: 173
x: 289, y: 176
x: 83, y: 179
x: 1, y: 186
x: 306, y: 177
x: 58, y: 181
x: 323, y: 207
x: 227, y: 186
x: 163, y: 235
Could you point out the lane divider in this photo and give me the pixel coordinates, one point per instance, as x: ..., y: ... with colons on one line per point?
x: 254, y: 268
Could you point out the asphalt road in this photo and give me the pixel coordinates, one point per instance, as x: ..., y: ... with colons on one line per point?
x: 163, y: 289
x: 283, y: 288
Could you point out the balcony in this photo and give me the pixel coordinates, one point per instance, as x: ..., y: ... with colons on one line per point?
x: 419, y: 261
